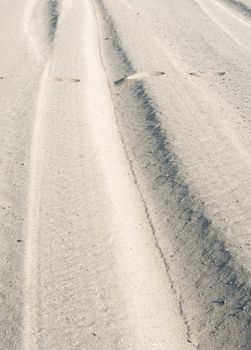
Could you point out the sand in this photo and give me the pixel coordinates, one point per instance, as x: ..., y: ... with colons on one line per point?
x: 125, y: 174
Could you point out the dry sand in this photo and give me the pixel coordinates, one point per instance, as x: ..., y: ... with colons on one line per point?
x: 125, y: 172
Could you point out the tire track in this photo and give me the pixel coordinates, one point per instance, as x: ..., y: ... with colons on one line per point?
x: 196, y: 242
x: 150, y: 108
x: 30, y: 328
x: 238, y: 5
x: 54, y: 10
x: 31, y: 256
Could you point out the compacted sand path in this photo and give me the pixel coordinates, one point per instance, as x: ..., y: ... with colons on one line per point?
x: 125, y: 175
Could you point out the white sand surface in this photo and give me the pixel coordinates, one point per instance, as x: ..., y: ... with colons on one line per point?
x: 125, y: 174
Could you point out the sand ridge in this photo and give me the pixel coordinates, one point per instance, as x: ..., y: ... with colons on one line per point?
x: 125, y: 175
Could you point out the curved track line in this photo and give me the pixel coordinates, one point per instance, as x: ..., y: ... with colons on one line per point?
x: 231, y: 13
x: 29, y: 341
x: 222, y: 26
x: 27, y: 23
x: 190, y: 337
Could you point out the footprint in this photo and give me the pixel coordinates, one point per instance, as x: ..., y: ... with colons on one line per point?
x: 220, y: 73
x: 219, y: 302
x: 209, y: 74
x: 71, y: 80
x: 138, y: 76
x: 194, y: 74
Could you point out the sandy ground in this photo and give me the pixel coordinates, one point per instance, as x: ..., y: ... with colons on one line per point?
x: 125, y: 174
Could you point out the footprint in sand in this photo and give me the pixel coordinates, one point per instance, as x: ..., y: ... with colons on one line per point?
x: 200, y: 74
x: 70, y: 80
x: 138, y: 76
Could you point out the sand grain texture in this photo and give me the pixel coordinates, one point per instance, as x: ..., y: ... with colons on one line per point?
x: 125, y: 175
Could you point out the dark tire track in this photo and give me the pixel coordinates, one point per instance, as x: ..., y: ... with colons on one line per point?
x: 198, y: 253
x: 53, y: 8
